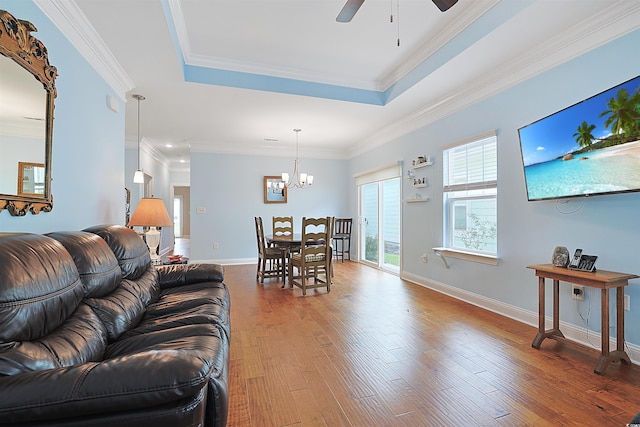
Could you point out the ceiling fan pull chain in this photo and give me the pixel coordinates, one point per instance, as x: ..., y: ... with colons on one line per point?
x: 398, y: 20
x: 391, y: 11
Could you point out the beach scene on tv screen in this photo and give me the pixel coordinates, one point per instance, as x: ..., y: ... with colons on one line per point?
x: 592, y: 147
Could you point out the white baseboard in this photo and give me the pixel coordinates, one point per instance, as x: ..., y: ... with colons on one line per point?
x: 230, y: 261
x: 570, y: 331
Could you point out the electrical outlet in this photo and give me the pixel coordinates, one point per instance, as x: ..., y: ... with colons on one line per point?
x: 216, y: 245
x: 627, y: 303
x: 577, y: 292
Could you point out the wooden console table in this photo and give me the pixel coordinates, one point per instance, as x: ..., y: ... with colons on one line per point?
x: 604, y: 280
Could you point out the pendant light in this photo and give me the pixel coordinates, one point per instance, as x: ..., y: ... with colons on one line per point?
x: 138, y: 177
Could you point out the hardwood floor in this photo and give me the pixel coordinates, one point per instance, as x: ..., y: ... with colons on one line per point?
x: 378, y: 351
x: 182, y: 246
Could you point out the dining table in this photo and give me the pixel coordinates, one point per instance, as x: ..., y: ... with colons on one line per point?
x: 285, y: 240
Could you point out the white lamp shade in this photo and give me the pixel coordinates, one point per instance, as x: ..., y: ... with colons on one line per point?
x: 138, y: 177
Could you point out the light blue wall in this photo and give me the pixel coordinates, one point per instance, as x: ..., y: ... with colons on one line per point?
x: 607, y: 226
x: 88, y: 140
x: 229, y: 187
x: 88, y: 172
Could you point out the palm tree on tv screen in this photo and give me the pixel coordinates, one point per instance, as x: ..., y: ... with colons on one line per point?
x: 623, y: 112
x: 583, y: 135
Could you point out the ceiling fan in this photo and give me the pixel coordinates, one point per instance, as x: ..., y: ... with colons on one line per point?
x: 351, y: 7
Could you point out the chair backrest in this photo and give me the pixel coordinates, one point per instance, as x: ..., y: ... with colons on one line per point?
x: 282, y: 226
x: 343, y: 226
x: 260, y: 235
x: 316, y: 239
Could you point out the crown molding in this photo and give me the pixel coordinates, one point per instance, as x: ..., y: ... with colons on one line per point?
x: 286, y: 73
x: 271, y: 151
x: 190, y: 58
x: 69, y: 19
x: 620, y: 19
x: 426, y: 50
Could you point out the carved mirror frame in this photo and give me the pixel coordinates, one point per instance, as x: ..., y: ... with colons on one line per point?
x: 17, y: 44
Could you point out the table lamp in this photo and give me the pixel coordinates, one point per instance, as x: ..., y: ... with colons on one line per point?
x: 151, y: 213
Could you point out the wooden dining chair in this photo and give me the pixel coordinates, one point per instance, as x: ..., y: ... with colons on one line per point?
x: 314, y: 259
x: 271, y: 260
x: 283, y: 226
x: 342, y: 234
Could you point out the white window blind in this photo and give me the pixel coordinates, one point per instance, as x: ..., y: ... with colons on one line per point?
x: 470, y: 181
x: 471, y: 166
x: 382, y: 173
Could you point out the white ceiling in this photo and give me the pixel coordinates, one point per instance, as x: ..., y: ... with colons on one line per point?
x: 186, y: 56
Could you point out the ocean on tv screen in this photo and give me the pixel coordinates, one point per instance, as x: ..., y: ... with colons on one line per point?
x: 607, y: 170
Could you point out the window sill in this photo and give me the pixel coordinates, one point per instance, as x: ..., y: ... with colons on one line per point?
x: 468, y: 256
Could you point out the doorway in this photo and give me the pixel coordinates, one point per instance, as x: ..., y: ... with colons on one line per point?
x: 181, y: 211
x: 379, y: 242
x: 177, y: 216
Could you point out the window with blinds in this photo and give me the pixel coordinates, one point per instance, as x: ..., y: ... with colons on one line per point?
x: 470, y: 181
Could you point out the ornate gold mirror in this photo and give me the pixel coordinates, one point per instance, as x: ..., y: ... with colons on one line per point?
x: 27, y: 92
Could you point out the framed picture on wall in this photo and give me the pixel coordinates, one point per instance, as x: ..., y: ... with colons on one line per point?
x: 274, y: 190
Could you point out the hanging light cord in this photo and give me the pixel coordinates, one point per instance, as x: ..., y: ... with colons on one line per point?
x: 397, y: 18
x: 138, y: 98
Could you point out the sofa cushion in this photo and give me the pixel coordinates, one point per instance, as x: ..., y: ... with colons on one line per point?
x: 122, y: 309
x: 82, y: 338
x: 128, y: 247
x: 165, y: 315
x: 147, y: 371
x: 39, y: 286
x: 180, y: 274
x: 98, y: 267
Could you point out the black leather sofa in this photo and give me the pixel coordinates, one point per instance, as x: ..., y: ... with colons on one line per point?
x: 91, y: 334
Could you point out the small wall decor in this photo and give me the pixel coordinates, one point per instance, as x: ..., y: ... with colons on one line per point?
x: 274, y: 190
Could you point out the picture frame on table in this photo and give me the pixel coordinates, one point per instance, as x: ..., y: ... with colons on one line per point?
x: 274, y: 190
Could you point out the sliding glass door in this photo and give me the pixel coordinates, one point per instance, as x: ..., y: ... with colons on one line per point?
x: 380, y: 224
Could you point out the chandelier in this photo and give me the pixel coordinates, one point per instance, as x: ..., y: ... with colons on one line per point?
x: 298, y: 179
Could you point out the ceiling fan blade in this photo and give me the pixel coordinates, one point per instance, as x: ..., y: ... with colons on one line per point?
x: 349, y: 10
x: 444, y: 5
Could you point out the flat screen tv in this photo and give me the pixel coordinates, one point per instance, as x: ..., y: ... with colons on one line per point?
x: 589, y: 148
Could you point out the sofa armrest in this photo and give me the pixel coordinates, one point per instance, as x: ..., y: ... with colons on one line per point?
x: 115, y: 385
x: 185, y: 274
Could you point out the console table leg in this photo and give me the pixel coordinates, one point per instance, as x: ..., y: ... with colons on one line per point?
x: 556, y: 305
x: 541, y: 325
x: 620, y: 319
x: 618, y: 355
x: 605, y: 321
x: 542, y: 332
